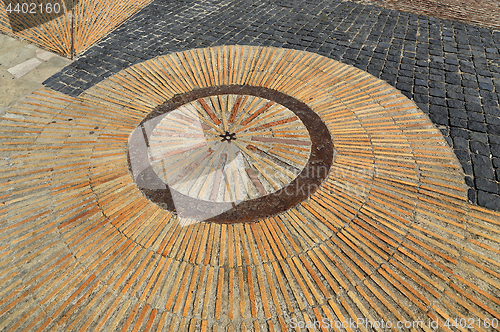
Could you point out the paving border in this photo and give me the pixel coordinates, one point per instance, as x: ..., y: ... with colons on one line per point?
x: 451, y: 70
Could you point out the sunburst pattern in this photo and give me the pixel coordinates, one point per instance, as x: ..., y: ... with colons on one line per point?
x: 387, y: 236
x: 229, y: 148
x: 67, y: 27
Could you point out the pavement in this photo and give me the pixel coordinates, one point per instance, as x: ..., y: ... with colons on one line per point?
x: 232, y: 224
x: 485, y: 14
x: 23, y: 69
x: 450, y: 69
x: 238, y: 188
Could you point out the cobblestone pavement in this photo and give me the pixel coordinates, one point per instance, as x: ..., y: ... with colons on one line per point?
x: 451, y: 70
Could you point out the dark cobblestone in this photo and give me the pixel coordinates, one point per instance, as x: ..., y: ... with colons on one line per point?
x: 451, y: 70
x: 488, y: 200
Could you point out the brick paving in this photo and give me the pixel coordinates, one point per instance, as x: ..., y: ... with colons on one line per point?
x: 485, y: 13
x: 387, y: 236
x: 451, y: 70
x: 65, y: 27
x: 393, y: 233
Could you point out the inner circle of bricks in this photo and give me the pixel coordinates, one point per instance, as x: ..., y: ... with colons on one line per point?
x: 299, y: 189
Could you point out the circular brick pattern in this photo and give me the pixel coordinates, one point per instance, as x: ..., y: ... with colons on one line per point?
x: 213, y: 159
x: 254, y: 160
x: 451, y: 70
x: 388, y: 234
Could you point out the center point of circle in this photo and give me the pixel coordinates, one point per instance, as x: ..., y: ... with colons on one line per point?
x: 228, y: 137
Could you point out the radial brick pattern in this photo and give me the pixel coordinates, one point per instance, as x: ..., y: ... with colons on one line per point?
x: 387, y: 236
x: 211, y: 148
x: 67, y: 27
x: 450, y: 69
x: 484, y: 13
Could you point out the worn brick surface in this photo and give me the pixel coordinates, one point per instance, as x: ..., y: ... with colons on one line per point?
x: 388, y: 235
x: 484, y: 13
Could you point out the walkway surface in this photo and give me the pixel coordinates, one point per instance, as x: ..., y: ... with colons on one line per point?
x: 221, y: 166
x: 451, y: 70
x: 23, y: 69
x: 65, y: 27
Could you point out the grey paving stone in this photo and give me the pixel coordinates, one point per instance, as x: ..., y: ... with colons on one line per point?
x: 480, y: 148
x: 467, y: 167
x: 474, y: 116
x: 494, y: 139
x: 479, y: 137
x: 469, y: 181
x: 471, y: 195
x: 460, y: 143
x: 457, y: 112
x: 477, y: 126
x: 493, y: 129
x: 463, y: 155
x: 460, y: 123
x: 482, y: 166
x: 495, y: 150
x: 488, y: 200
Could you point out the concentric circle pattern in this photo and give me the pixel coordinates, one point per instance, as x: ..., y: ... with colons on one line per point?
x: 385, y: 235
